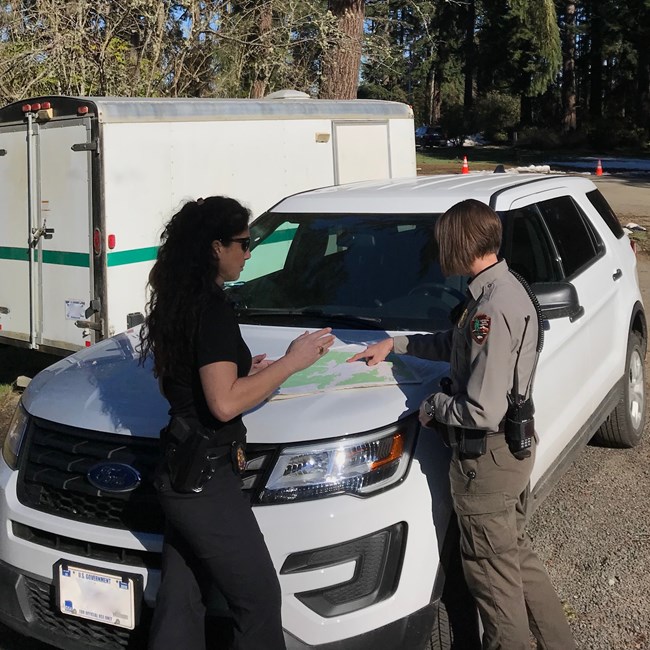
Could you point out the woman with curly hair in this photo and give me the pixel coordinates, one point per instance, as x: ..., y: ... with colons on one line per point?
x: 207, y: 374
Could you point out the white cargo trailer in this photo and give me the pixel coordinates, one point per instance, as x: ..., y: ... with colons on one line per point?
x: 87, y: 183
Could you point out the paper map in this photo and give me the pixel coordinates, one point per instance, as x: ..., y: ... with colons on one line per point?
x: 331, y: 372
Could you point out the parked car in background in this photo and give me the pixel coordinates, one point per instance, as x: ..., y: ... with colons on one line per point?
x: 351, y: 495
x: 430, y: 136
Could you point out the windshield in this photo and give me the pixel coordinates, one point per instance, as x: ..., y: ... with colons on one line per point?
x: 380, y: 270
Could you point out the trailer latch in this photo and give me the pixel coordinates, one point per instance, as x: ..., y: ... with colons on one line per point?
x: 89, y: 325
x: 43, y: 231
x: 85, y: 146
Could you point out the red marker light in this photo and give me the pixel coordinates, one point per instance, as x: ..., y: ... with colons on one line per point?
x: 111, y: 241
x: 27, y: 108
x: 97, y: 241
x: 82, y: 110
x: 87, y: 344
x: 46, y: 105
x: 36, y: 107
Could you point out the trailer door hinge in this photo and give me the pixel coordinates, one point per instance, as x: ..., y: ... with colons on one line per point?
x: 3, y: 152
x: 85, y: 146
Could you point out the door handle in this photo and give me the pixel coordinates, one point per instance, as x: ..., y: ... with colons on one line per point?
x: 617, y: 275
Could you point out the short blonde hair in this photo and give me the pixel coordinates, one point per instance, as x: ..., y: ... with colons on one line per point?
x: 467, y: 231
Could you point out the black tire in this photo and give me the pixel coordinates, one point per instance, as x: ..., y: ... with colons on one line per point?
x: 624, y: 426
x: 457, y: 625
x: 441, y: 635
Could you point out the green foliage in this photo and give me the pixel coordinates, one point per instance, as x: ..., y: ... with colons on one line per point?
x: 617, y: 134
x: 467, y: 64
x: 541, y: 139
x: 495, y: 114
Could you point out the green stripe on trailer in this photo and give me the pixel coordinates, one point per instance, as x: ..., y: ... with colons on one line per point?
x: 61, y: 258
x: 132, y: 256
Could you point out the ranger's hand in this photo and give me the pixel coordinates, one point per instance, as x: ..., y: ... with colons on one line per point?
x: 309, y: 347
x: 374, y: 353
x: 259, y: 362
x: 425, y: 420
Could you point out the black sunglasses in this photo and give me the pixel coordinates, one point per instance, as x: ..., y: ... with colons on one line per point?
x: 245, y: 242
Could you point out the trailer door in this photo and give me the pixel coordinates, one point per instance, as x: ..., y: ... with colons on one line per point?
x: 63, y: 232
x: 45, y: 232
x: 361, y: 151
x: 15, y: 295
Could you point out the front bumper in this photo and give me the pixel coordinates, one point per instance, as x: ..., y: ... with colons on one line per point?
x: 26, y: 606
x: 327, y: 601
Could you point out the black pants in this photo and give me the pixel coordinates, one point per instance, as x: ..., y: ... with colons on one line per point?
x: 212, y: 538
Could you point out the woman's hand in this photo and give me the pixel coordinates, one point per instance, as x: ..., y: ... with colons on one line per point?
x: 309, y: 347
x: 374, y: 353
x: 259, y: 362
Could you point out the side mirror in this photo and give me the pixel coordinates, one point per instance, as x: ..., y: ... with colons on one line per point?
x: 558, y: 300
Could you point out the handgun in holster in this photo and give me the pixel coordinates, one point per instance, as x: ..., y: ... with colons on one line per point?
x: 186, y: 453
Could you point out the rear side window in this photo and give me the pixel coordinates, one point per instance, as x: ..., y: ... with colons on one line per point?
x: 576, y: 242
x: 605, y: 211
x: 528, y: 249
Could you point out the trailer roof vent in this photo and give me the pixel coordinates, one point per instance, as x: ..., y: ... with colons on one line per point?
x: 287, y: 94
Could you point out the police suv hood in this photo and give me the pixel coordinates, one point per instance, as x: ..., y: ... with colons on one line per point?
x: 103, y: 388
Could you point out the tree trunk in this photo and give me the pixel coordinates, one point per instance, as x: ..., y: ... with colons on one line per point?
x: 596, y: 65
x: 470, y: 48
x: 263, y: 49
x: 643, y: 88
x: 342, y: 58
x: 568, y: 69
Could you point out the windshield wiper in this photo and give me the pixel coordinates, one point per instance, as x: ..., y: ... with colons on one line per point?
x: 359, y: 322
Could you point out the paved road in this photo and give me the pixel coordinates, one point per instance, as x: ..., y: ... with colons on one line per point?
x: 629, y: 195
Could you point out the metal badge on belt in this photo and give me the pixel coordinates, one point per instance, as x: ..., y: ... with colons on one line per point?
x: 238, y: 457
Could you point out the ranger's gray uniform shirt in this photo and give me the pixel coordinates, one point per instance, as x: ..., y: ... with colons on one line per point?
x: 482, y: 350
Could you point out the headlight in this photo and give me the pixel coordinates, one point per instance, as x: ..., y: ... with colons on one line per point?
x: 357, y: 465
x: 14, y: 437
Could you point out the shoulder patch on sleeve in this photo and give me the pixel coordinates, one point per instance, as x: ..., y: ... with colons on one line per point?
x: 480, y: 327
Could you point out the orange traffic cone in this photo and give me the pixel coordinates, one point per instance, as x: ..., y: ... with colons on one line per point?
x: 465, y: 167
x: 599, y: 169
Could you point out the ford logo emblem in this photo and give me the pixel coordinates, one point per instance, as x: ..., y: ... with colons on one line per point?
x: 114, y: 477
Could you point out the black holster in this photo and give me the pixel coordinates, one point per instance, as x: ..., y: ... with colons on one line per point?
x: 472, y: 443
x: 191, y: 455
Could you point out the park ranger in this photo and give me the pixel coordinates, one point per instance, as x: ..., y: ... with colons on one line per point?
x: 484, y: 408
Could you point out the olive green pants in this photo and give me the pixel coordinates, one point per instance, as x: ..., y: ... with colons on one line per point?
x: 512, y: 590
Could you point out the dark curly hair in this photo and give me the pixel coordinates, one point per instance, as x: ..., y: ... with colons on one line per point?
x: 184, y: 277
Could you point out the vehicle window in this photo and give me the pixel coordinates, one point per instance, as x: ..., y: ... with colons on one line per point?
x: 576, y: 242
x: 277, y: 246
x: 605, y: 211
x: 382, y: 267
x: 527, y: 247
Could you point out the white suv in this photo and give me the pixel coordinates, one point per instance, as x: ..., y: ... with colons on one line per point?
x: 351, y: 496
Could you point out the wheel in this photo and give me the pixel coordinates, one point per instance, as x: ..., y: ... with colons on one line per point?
x: 439, y: 287
x: 624, y: 426
x: 441, y: 636
x: 457, y: 624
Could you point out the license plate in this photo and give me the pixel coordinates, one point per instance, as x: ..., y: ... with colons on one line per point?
x: 97, y: 595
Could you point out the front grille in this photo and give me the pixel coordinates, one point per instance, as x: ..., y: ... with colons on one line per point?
x: 56, y: 459
x: 89, y: 550
x: 92, y: 635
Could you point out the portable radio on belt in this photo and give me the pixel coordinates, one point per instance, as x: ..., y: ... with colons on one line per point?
x: 519, y: 424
